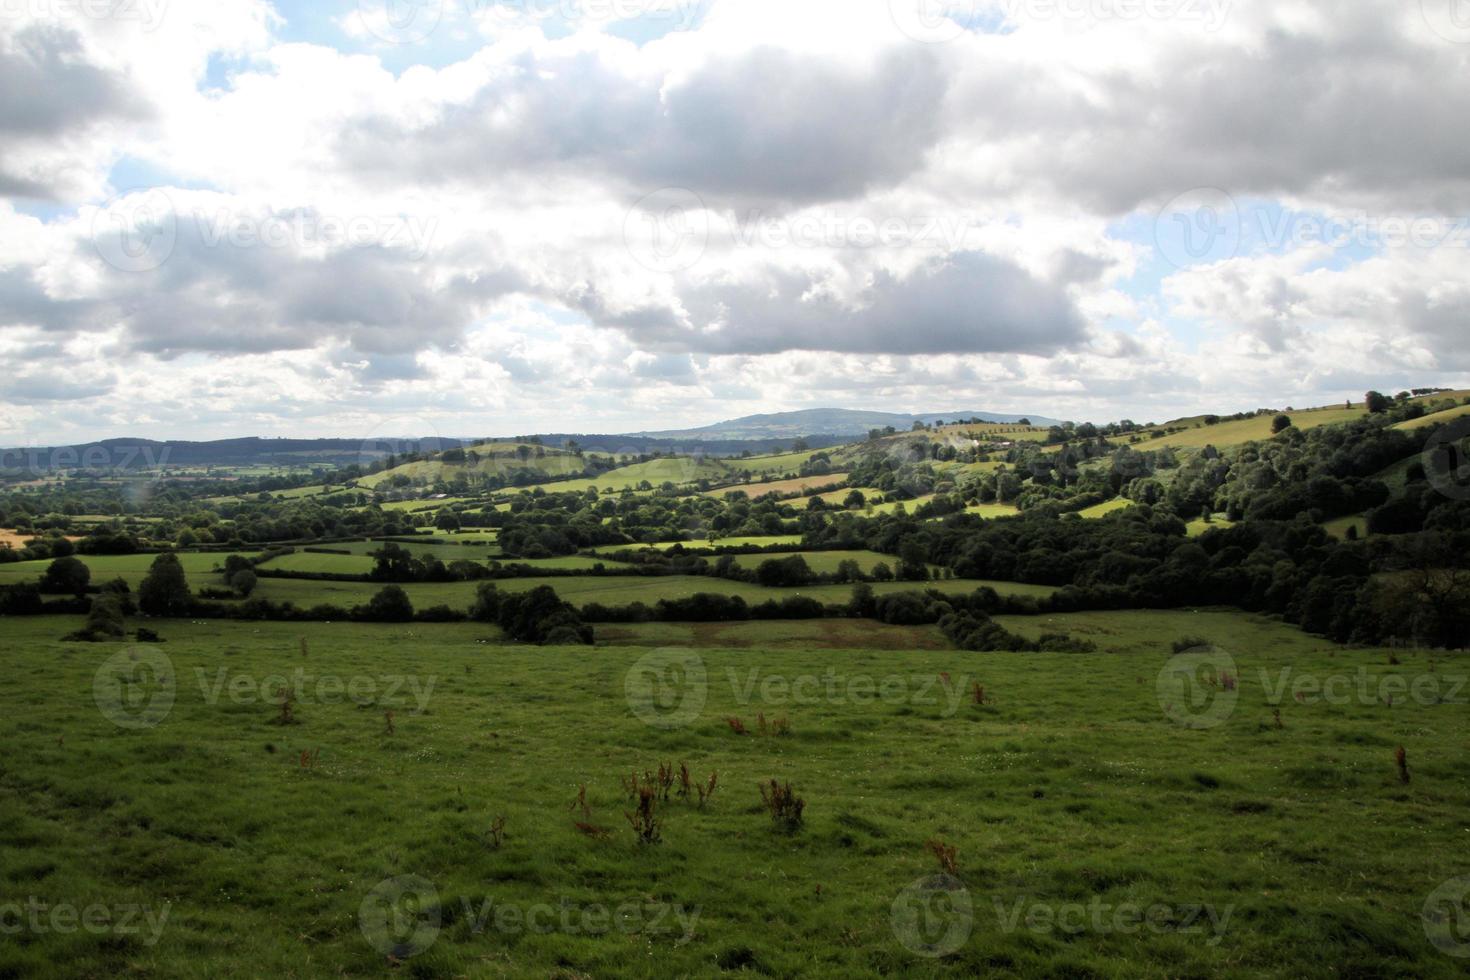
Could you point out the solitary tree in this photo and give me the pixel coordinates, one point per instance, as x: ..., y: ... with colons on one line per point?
x: 1280, y: 423
x: 69, y: 576
x: 1377, y: 402
x: 390, y: 605
x: 165, y: 590
x: 243, y: 582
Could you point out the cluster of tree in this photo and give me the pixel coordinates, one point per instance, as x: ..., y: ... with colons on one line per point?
x: 536, y: 616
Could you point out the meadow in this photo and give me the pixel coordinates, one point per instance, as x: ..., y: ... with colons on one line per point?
x: 1240, y: 431
x: 1094, y: 834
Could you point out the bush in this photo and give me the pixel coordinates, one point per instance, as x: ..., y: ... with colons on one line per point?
x: 165, y: 590
x: 66, y: 576
x: 390, y: 605
x: 104, y: 621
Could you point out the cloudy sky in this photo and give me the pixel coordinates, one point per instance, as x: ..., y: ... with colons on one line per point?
x: 233, y: 217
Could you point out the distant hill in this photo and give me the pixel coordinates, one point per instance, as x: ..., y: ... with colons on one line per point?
x: 147, y: 454
x: 829, y: 422
x: 821, y: 427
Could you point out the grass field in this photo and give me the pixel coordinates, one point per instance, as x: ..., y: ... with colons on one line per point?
x: 608, y: 590
x: 1106, y: 508
x: 762, y: 542
x: 130, y: 568
x: 497, y: 459
x: 826, y: 561
x: 1339, y: 528
x: 362, y: 564
x: 680, y: 471
x: 785, y: 488
x: 1199, y: 525
x: 1096, y: 836
x: 1435, y: 420
x: 802, y: 634
x: 1241, y: 431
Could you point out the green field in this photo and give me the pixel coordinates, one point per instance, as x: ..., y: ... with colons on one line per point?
x: 1106, y: 508
x: 131, y: 568
x: 1435, y: 420
x: 497, y: 459
x: 762, y: 542
x: 680, y: 471
x: 823, y: 561
x: 1254, y: 429
x: 609, y: 590
x: 1096, y: 836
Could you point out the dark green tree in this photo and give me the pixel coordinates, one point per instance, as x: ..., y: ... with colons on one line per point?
x: 165, y: 589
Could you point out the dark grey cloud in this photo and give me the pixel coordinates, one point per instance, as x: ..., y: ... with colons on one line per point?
x: 969, y: 303
x: 49, y: 93
x: 50, y: 388
x: 209, y: 295
x: 770, y: 127
x: 1356, y: 109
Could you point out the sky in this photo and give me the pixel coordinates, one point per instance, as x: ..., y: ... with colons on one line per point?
x: 463, y: 217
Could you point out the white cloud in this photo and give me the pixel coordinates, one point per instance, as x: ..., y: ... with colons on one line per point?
x: 877, y: 219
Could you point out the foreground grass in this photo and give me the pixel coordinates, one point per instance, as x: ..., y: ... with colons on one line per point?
x: 1069, y: 789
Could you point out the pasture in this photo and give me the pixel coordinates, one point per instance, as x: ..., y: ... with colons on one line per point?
x: 784, y: 488
x: 1095, y: 835
x: 1241, y: 431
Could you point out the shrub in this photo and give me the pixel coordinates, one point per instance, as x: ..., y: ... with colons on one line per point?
x: 785, y: 807
x: 104, y: 621
x: 946, y: 854
x: 164, y: 591
x: 390, y: 605
x: 68, y: 576
x: 644, y: 817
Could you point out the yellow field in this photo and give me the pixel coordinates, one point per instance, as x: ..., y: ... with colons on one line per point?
x: 1104, y: 509
x: 496, y: 459
x: 1435, y: 420
x: 1240, y: 432
x: 783, y: 487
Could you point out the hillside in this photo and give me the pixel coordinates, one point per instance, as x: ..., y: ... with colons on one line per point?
x: 830, y: 422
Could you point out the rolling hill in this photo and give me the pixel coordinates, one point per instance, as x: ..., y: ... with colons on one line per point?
x: 829, y: 422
